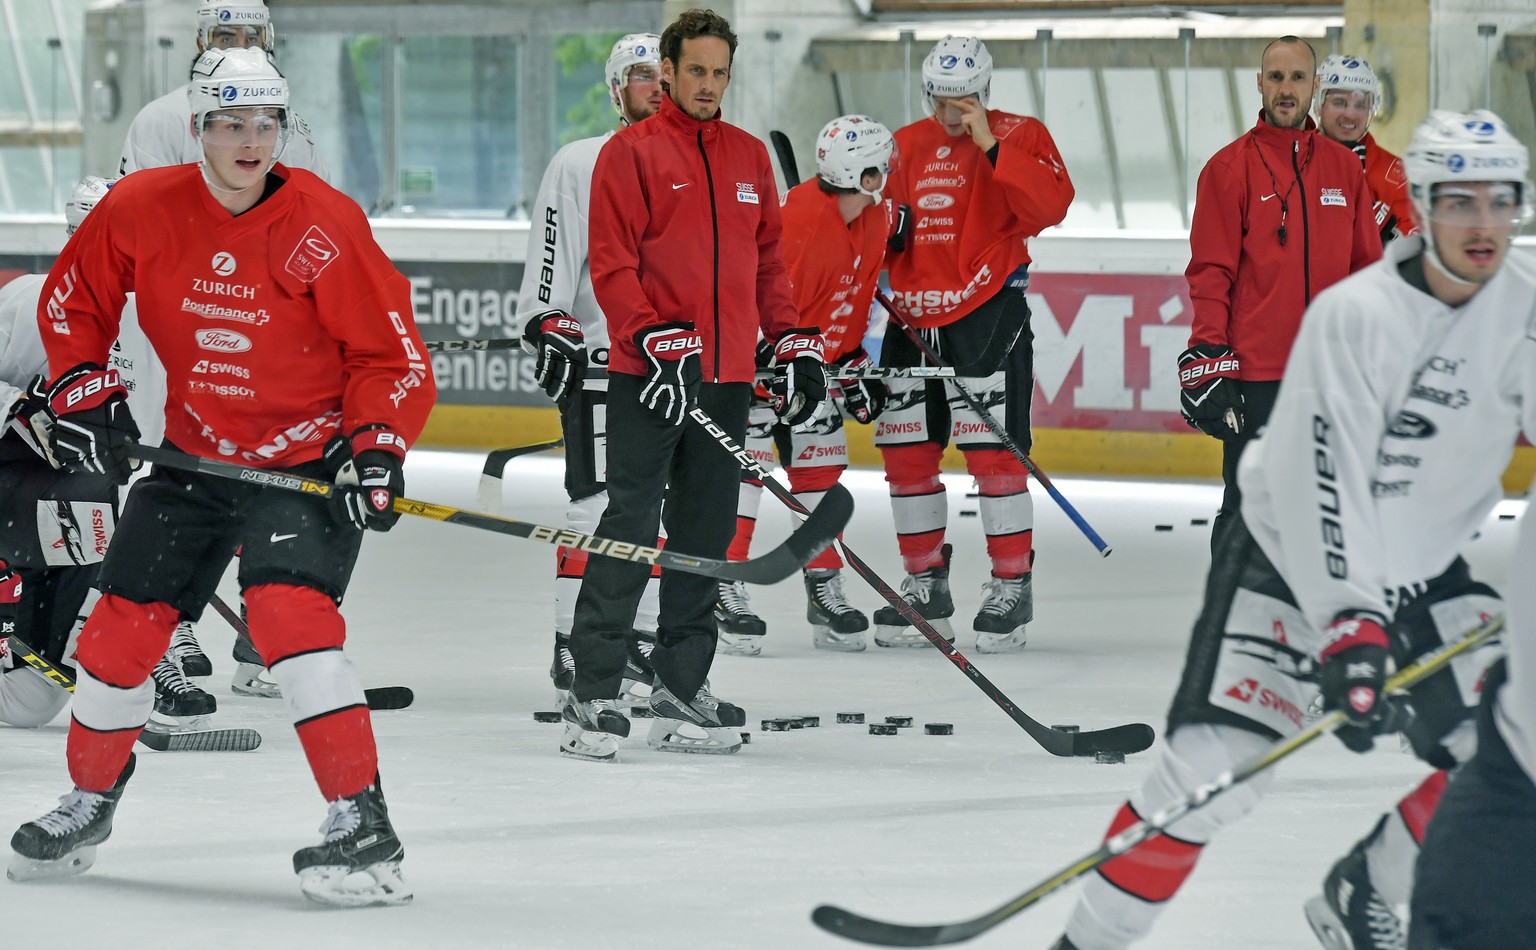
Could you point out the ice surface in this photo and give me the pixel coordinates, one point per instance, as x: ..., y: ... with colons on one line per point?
x: 510, y: 844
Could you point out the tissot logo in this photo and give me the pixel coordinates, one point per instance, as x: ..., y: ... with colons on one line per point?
x: 1411, y: 425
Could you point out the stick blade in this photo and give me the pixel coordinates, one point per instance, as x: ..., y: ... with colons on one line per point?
x: 816, y: 534
x: 1128, y: 739
x: 851, y: 926
x: 786, y: 153
x: 389, y: 697
x: 208, y: 740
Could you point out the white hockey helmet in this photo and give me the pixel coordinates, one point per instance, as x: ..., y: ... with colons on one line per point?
x: 636, y: 49
x: 250, y: 14
x: 1463, y: 146
x: 236, y: 79
x: 90, y: 190
x: 848, y: 145
x: 958, y: 66
x: 1350, y: 73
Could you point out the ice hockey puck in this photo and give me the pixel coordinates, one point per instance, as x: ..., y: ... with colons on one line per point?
x: 850, y: 717
x: 1197, y: 522
x: 810, y: 722
x: 545, y: 716
x: 1163, y: 527
x: 1064, y: 728
x: 939, y: 728
x: 968, y: 513
x: 1109, y: 758
x: 900, y: 722
x: 1506, y: 517
x: 746, y: 738
x: 641, y: 712
x: 775, y: 725
x: 795, y: 722
x: 881, y: 729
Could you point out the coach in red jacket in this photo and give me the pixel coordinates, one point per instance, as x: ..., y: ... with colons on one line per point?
x: 1280, y: 214
x: 684, y: 253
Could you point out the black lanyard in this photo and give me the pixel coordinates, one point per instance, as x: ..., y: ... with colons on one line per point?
x: 1285, y: 200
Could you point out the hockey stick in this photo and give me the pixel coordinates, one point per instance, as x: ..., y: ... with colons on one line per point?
x: 845, y: 923
x: 203, y: 740
x: 786, y: 153
x: 807, y: 541
x: 379, y: 697
x: 489, y: 494
x: 1130, y: 738
x: 467, y: 346
x: 880, y: 372
x: 997, y: 430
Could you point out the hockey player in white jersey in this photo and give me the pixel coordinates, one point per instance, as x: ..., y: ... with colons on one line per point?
x: 1403, y: 396
x: 76, y: 510
x: 161, y: 134
x: 564, y: 328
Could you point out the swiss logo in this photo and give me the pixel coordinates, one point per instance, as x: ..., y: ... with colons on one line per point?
x: 313, y: 254
x: 1244, y: 690
x: 381, y: 499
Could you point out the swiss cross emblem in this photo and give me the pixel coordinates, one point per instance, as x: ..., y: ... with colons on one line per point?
x: 380, y: 498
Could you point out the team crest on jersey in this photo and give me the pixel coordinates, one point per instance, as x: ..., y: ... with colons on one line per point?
x: 312, y: 255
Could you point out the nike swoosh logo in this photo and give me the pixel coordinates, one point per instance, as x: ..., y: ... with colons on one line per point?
x: 1267, y: 197
x: 282, y: 537
x: 683, y: 185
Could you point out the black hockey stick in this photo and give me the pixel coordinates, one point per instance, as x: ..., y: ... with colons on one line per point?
x: 845, y: 923
x: 786, y: 153
x: 807, y: 541
x: 489, y: 494
x: 379, y: 697
x: 997, y: 429
x: 203, y: 740
x: 880, y: 372
x: 468, y: 346
x: 1130, y: 738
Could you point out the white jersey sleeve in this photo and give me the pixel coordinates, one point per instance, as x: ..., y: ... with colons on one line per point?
x: 556, y: 275
x: 143, y: 376
x: 21, y: 344
x: 1394, y: 424
x: 161, y: 134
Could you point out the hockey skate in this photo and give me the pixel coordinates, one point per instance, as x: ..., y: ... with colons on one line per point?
x: 251, y: 677
x: 1007, y: 604
x: 704, y: 724
x: 592, y: 729
x: 63, y: 842
x: 835, y: 624
x: 1349, y: 914
x: 188, y: 653
x: 358, y: 862
x: 741, y: 630
x: 928, y: 593
x: 562, y: 670
x: 635, y: 690
x: 180, y: 706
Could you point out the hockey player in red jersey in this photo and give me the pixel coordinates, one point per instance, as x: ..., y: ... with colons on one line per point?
x: 1348, y: 97
x: 979, y: 182
x: 835, y: 229
x: 289, y: 343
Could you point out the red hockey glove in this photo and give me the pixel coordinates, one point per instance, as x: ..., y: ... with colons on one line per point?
x: 370, y: 475
x: 1354, y: 675
x: 799, y: 382
x: 92, y: 427
x: 1210, y: 397
x: 554, y: 336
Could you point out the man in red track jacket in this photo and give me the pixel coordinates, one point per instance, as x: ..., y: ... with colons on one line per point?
x: 1280, y: 214
x: 684, y: 252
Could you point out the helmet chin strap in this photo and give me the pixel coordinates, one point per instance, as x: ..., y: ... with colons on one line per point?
x: 1434, y: 258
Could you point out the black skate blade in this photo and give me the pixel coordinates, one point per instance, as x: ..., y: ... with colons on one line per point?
x: 389, y: 697
x: 1127, y: 739
x: 208, y: 740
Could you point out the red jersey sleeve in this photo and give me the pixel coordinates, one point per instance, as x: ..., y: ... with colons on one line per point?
x: 1215, y: 245
x: 1365, y: 247
x: 616, y: 223
x: 82, y: 300
x: 776, y: 312
x: 1389, y: 183
x: 1030, y: 173
x: 364, y: 303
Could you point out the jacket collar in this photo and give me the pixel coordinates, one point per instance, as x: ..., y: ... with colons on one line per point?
x: 1276, y: 137
x: 676, y: 118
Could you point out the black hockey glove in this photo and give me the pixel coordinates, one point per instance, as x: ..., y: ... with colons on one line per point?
x: 799, y: 384
x: 1354, y: 675
x: 92, y: 427
x: 29, y: 419
x: 863, y: 399
x: 554, y: 336
x: 1210, y: 397
x: 369, y: 474
x: 672, y: 383
x: 902, y: 224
